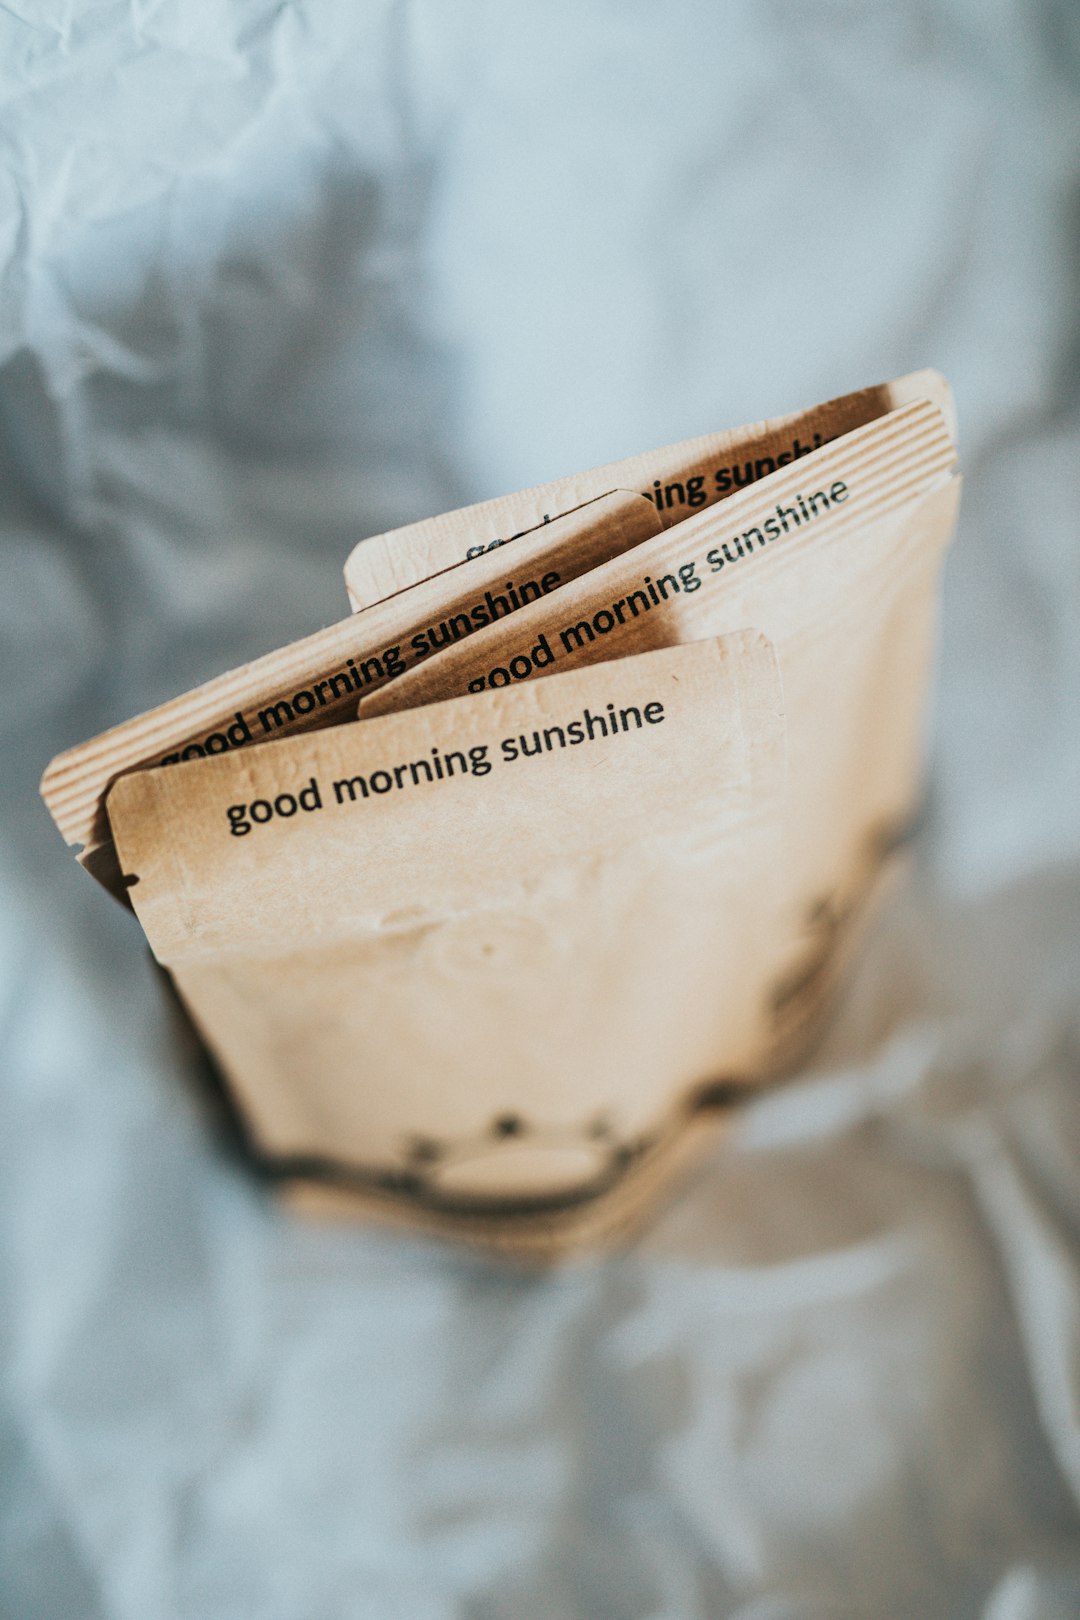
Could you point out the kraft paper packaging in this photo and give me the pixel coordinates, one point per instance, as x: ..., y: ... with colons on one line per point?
x: 679, y: 480
x: 315, y: 682
x: 836, y: 559
x: 479, y: 960
x: 453, y: 576
x: 491, y: 900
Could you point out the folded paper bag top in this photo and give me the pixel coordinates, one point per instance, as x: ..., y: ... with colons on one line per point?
x: 477, y: 960
x: 681, y: 480
x: 586, y: 520
x: 315, y: 682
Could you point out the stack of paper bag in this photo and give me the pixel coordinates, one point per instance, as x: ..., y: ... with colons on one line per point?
x: 493, y: 900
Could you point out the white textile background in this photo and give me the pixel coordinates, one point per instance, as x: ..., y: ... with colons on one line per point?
x: 274, y: 276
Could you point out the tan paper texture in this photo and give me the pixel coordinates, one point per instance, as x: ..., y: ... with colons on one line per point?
x: 848, y: 596
x: 681, y: 479
x: 495, y: 993
x: 315, y: 682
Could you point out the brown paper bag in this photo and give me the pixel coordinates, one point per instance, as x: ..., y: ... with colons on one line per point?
x: 680, y: 481
x: 480, y: 964
x: 488, y: 965
x: 315, y: 682
x: 837, y: 561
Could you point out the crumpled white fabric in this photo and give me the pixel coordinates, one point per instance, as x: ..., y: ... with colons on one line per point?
x: 274, y: 276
